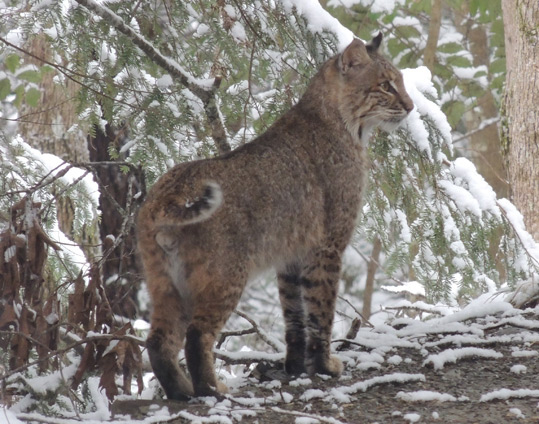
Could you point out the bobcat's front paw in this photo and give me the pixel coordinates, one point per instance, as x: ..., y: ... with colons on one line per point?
x: 295, y: 366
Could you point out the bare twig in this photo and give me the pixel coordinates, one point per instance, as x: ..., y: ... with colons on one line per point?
x: 365, y: 320
x: 259, y: 331
x: 226, y: 334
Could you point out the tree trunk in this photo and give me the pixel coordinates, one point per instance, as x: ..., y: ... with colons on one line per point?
x: 53, y: 127
x: 118, y: 203
x: 372, y: 266
x: 429, y: 54
x: 46, y: 126
x: 484, y: 139
x: 521, y: 107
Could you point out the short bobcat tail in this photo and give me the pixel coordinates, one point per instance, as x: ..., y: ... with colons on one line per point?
x: 196, y: 210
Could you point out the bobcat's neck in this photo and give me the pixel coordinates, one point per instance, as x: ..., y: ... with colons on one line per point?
x: 324, y: 101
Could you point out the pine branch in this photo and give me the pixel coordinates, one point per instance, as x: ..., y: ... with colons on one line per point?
x: 518, y: 235
x: 176, y: 71
x: 68, y: 73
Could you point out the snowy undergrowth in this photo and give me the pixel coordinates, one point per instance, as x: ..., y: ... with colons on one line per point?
x: 373, y: 361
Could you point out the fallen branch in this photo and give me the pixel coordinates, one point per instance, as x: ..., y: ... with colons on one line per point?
x: 314, y: 417
x: 247, y: 358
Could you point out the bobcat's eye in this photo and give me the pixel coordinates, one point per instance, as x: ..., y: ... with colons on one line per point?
x: 385, y: 86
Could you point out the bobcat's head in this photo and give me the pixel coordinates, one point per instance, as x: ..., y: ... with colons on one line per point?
x: 370, y: 89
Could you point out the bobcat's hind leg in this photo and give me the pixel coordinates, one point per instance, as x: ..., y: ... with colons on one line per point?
x: 294, y: 316
x: 168, y: 326
x: 319, y: 283
x: 212, y: 309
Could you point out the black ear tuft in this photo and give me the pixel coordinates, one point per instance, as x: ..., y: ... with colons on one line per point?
x: 373, y: 46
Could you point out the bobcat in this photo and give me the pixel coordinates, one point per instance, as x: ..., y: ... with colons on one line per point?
x: 287, y: 200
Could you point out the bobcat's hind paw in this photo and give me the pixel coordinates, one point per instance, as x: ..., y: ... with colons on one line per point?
x: 218, y: 391
x: 335, y: 366
x: 332, y: 367
x: 222, y: 387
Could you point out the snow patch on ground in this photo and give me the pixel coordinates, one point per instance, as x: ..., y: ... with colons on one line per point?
x: 426, y: 396
x: 454, y: 355
x: 504, y: 394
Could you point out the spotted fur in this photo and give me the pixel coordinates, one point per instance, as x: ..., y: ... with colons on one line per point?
x: 288, y: 200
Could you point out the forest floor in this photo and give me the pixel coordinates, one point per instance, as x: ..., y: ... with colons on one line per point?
x: 476, y: 366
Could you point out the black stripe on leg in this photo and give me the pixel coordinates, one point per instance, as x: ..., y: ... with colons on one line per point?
x: 310, y: 284
x: 193, y: 353
x: 293, y: 312
x: 163, y: 367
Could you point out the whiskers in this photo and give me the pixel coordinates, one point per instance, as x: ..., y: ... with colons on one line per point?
x: 379, y: 117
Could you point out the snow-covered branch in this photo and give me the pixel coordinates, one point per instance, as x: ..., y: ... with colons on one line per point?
x: 204, y: 91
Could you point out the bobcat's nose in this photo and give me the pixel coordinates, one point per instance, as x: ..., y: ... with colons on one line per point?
x: 407, y: 104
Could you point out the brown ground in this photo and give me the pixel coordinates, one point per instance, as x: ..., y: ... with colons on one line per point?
x: 467, y: 379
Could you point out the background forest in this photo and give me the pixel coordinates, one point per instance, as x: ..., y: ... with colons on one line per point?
x: 98, y: 99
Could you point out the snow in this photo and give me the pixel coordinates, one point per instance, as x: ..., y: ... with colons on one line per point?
x: 301, y: 382
x: 378, y: 6
x: 517, y: 221
x: 312, y: 394
x: 453, y: 355
x: 238, y: 32
x: 54, y: 165
x: 418, y: 81
x: 411, y: 287
x: 518, y: 369
x: 516, y: 412
x: 8, y: 417
x: 306, y: 420
x: 462, y: 197
x: 465, y: 170
x: 504, y: 394
x: 320, y: 20
x: 363, y: 386
x: 164, y: 82
x: 412, y: 417
x: 524, y: 353
x: 425, y: 396
x: 394, y: 360
x: 477, y: 308
x: 10, y: 253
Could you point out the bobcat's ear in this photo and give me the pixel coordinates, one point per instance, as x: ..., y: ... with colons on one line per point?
x: 354, y: 55
x: 373, y: 46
